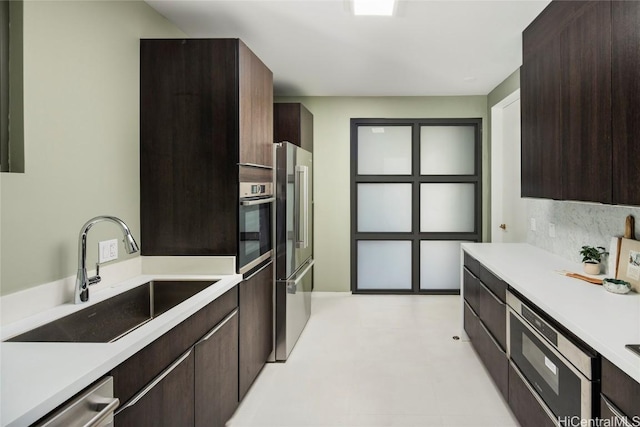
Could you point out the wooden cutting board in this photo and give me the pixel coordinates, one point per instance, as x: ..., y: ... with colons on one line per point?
x: 629, y: 256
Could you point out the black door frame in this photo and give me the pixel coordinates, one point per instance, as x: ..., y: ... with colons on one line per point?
x: 415, y: 179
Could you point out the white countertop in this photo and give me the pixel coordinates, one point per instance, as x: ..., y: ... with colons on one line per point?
x: 603, y: 320
x: 35, y: 378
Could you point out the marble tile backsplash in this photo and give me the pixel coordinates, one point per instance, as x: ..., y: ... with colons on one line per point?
x: 576, y: 224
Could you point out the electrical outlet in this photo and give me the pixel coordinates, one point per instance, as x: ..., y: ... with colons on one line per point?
x: 107, y: 250
x: 552, y: 230
x: 533, y: 224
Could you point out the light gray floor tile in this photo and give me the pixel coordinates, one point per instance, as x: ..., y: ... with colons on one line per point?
x: 377, y: 360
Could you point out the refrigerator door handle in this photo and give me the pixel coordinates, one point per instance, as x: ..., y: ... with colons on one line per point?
x: 293, y: 284
x: 302, y: 180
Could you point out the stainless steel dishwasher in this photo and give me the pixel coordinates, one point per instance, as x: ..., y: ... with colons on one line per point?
x: 93, y: 407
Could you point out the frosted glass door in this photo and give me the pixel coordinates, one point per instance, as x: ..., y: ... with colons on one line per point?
x: 447, y: 150
x: 447, y: 208
x: 439, y: 264
x: 384, y: 264
x: 384, y: 207
x: 384, y: 150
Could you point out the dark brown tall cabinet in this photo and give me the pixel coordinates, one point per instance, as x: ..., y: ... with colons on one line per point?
x: 580, y: 102
x: 293, y: 123
x: 206, y: 106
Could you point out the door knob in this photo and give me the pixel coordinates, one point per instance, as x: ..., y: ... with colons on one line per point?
x: 503, y: 226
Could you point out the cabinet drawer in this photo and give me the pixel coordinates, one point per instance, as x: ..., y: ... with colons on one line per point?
x: 472, y: 264
x: 491, y: 281
x: 471, y: 323
x: 493, y: 314
x: 609, y: 411
x: 138, y: 370
x: 471, y: 289
x: 165, y: 403
x: 525, y: 405
x: 622, y: 390
x: 492, y: 357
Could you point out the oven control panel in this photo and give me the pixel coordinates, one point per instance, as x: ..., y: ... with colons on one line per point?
x: 255, y: 189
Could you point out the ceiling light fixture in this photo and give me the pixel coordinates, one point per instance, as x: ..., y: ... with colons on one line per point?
x: 374, y: 7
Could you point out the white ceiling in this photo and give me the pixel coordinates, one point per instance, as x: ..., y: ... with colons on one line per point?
x: 318, y: 48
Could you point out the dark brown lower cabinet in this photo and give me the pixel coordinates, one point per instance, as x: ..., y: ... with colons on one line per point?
x: 492, y: 356
x: 622, y: 391
x: 256, y: 325
x: 188, y: 376
x: 168, y: 403
x: 216, y: 379
x: 524, y: 405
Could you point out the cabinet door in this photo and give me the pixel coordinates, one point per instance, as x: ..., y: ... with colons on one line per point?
x: 216, y: 379
x: 256, y: 325
x: 541, y: 123
x: 165, y: 402
x: 620, y: 389
x: 256, y: 109
x: 586, y: 98
x: 292, y: 122
x: 626, y: 101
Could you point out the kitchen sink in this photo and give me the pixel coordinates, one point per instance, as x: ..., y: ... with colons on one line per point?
x: 115, y: 317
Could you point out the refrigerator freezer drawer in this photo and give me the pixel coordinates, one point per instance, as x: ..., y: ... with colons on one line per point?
x: 293, y: 308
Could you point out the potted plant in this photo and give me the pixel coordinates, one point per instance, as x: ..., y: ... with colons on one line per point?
x: 591, y: 258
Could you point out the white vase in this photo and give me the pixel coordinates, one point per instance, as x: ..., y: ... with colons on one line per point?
x: 591, y: 268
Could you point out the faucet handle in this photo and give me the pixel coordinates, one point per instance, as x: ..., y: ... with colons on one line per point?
x: 95, y: 279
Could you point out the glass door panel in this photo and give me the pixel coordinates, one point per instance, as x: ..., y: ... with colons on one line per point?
x: 384, y: 265
x: 439, y: 264
x: 384, y: 150
x: 447, y: 207
x: 447, y: 150
x: 384, y: 207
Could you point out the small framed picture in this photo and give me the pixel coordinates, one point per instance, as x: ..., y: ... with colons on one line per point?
x: 629, y: 263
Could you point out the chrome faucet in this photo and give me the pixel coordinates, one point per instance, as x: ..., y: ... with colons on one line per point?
x: 82, y: 281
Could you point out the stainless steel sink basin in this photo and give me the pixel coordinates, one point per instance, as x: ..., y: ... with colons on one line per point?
x: 115, y: 317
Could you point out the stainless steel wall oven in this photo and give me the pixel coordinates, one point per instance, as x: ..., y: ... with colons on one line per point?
x: 561, y: 373
x: 256, y: 210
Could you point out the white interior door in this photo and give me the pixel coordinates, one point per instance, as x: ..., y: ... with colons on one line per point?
x: 508, y: 213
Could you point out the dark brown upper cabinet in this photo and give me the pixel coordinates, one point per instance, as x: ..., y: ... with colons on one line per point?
x: 206, y: 106
x: 626, y: 101
x: 580, y: 97
x: 293, y: 123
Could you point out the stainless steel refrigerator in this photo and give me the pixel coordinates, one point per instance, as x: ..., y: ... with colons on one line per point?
x: 294, y: 245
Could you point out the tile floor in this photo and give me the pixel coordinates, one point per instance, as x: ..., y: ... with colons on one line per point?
x: 377, y: 360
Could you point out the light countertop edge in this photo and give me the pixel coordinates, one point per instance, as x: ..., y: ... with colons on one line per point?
x: 38, y: 377
x: 603, y: 320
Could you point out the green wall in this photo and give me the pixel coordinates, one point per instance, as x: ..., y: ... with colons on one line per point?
x: 331, y: 116
x: 81, y: 119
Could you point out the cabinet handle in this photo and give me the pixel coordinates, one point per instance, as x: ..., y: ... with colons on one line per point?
x: 257, y: 271
x: 490, y: 336
x: 616, y: 412
x: 498, y: 300
x: 155, y: 382
x: 543, y: 405
x: 218, y: 326
x: 255, y: 165
x: 257, y: 202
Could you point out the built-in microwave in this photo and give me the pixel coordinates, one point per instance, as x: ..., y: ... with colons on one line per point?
x: 560, y: 372
x: 255, y: 243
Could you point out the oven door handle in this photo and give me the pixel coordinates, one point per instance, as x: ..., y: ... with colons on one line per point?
x: 257, y: 202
